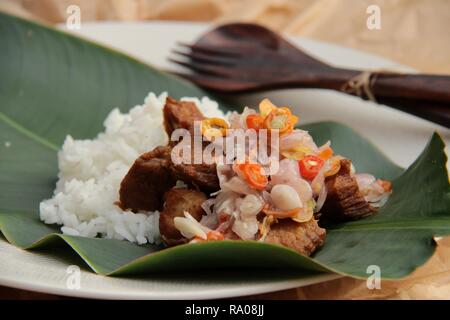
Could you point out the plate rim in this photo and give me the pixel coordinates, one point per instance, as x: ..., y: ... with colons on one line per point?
x: 213, y: 293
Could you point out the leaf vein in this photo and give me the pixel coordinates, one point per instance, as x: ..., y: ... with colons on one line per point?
x: 27, y: 132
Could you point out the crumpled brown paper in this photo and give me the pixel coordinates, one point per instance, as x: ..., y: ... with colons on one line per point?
x: 414, y: 33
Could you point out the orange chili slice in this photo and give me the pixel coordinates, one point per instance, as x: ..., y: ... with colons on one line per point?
x: 281, y: 119
x: 254, y: 176
x: 385, y: 184
x: 254, y: 121
x: 214, y: 127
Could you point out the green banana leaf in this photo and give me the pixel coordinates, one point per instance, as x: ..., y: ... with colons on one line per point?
x: 53, y: 84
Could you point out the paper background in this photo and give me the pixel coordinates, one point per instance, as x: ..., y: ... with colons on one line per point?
x: 413, y: 32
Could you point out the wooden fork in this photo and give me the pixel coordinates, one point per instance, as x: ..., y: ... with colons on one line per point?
x: 240, y: 57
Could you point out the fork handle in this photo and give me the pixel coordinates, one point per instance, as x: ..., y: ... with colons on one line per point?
x: 383, y: 84
x: 426, y: 96
x: 411, y: 86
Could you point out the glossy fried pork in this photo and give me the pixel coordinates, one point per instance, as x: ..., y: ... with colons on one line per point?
x: 198, y: 176
x: 180, y: 115
x: 154, y: 173
x: 148, y: 179
x: 344, y: 200
x: 303, y: 237
x: 177, y: 201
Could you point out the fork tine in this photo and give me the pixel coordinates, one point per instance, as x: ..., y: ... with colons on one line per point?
x: 224, y: 51
x: 204, y: 68
x: 206, y: 58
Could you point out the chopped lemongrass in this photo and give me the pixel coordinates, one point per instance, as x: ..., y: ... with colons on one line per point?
x: 188, y: 228
x: 192, y: 219
x: 264, y: 227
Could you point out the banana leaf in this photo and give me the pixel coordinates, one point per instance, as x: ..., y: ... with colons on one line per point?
x: 53, y: 84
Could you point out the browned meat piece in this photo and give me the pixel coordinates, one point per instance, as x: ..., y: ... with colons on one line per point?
x: 199, y: 176
x: 153, y: 173
x: 344, y: 200
x: 147, y: 180
x: 180, y: 114
x: 303, y: 237
x: 177, y: 201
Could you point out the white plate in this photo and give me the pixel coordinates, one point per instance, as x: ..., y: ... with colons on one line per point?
x: 400, y: 135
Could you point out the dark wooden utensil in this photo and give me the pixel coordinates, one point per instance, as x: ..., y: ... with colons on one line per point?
x: 240, y: 57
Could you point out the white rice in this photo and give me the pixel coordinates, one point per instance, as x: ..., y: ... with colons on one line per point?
x: 90, y: 172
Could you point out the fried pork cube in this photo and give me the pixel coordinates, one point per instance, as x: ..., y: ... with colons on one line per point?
x: 178, y: 201
x: 198, y: 176
x: 303, y: 237
x: 180, y: 115
x: 344, y: 200
x: 148, y: 179
x: 154, y: 173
